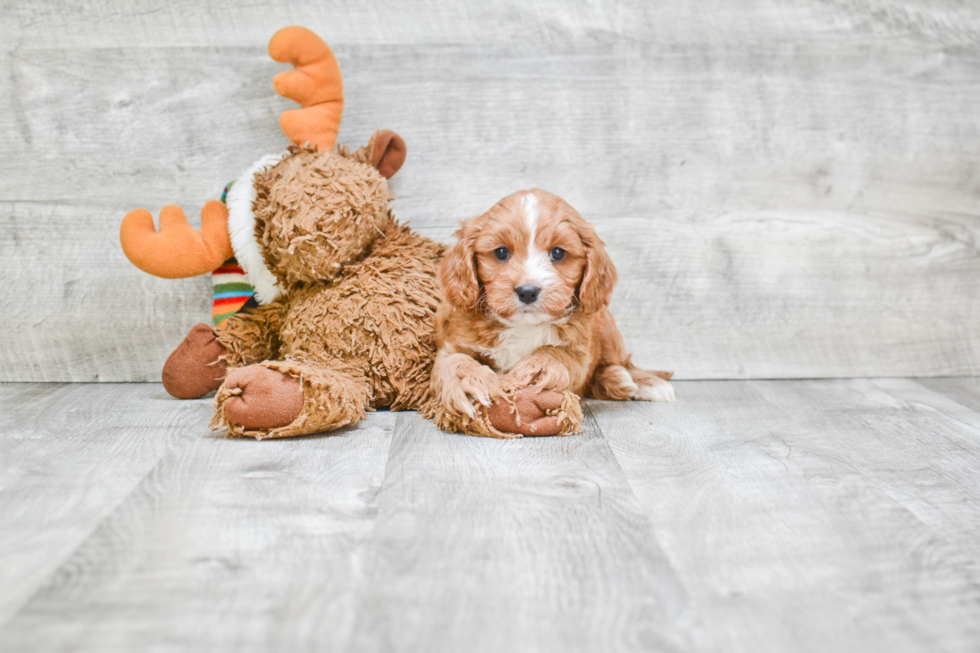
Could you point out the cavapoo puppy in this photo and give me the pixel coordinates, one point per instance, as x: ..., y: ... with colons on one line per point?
x: 525, y: 296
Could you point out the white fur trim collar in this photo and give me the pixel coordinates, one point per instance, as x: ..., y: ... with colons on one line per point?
x: 241, y: 228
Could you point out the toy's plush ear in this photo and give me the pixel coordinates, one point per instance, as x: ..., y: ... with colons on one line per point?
x: 387, y: 152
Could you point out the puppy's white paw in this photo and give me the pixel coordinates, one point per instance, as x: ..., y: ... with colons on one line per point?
x: 662, y: 391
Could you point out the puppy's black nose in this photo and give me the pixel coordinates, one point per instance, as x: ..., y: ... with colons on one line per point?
x: 528, y: 294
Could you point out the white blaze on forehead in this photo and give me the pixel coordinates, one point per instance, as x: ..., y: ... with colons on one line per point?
x: 538, y: 270
x: 530, y: 205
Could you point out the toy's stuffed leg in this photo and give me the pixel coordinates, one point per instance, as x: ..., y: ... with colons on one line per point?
x: 532, y: 411
x: 195, y: 368
x: 278, y: 399
x: 514, y: 413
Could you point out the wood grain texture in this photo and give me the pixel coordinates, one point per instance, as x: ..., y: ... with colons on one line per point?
x: 80, y: 311
x: 147, y: 23
x: 535, y: 543
x: 813, y: 516
x: 621, y: 129
x: 789, y: 191
x: 724, y: 296
x: 965, y: 391
x: 810, y: 516
x: 225, y: 545
x: 915, y: 444
x: 69, y: 455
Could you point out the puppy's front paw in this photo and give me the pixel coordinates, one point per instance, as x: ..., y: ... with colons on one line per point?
x: 541, y: 371
x: 464, y: 390
x: 655, y: 389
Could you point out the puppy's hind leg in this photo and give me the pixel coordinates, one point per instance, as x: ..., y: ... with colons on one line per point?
x: 618, y: 379
x: 619, y: 383
x: 612, y: 382
x: 653, y: 385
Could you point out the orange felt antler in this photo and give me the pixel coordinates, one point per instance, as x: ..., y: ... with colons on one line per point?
x: 178, y: 250
x: 315, y: 83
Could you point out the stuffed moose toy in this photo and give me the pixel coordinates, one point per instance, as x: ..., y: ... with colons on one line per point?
x: 324, y: 303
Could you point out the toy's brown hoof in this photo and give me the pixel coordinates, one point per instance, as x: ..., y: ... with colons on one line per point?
x: 194, y: 369
x: 527, y: 414
x: 263, y: 398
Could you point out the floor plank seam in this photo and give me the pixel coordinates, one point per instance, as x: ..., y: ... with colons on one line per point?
x: 42, y: 586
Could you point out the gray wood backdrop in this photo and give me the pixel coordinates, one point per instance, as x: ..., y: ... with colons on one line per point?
x: 789, y: 189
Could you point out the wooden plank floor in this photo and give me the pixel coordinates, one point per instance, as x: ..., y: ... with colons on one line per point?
x: 832, y: 515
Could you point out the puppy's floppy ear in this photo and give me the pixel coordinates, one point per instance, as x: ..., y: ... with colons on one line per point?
x: 457, y: 274
x: 599, y: 275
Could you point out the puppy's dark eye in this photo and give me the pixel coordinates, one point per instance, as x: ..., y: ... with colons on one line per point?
x: 502, y: 253
x: 557, y: 254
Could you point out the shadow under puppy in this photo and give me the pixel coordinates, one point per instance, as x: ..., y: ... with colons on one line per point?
x: 524, y: 326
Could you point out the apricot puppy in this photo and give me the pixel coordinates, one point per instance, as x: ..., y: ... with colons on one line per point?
x: 525, y: 297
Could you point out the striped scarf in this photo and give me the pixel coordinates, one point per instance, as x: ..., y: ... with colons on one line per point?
x: 232, y: 290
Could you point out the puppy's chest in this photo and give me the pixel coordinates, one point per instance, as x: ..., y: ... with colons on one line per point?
x: 514, y: 343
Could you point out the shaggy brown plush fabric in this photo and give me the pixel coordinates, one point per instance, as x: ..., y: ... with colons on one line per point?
x: 355, y: 323
x: 317, y: 212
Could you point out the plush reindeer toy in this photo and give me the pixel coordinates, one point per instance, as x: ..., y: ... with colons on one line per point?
x: 341, y: 318
x: 344, y: 296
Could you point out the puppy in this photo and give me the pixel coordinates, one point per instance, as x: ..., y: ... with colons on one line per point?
x: 525, y: 293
